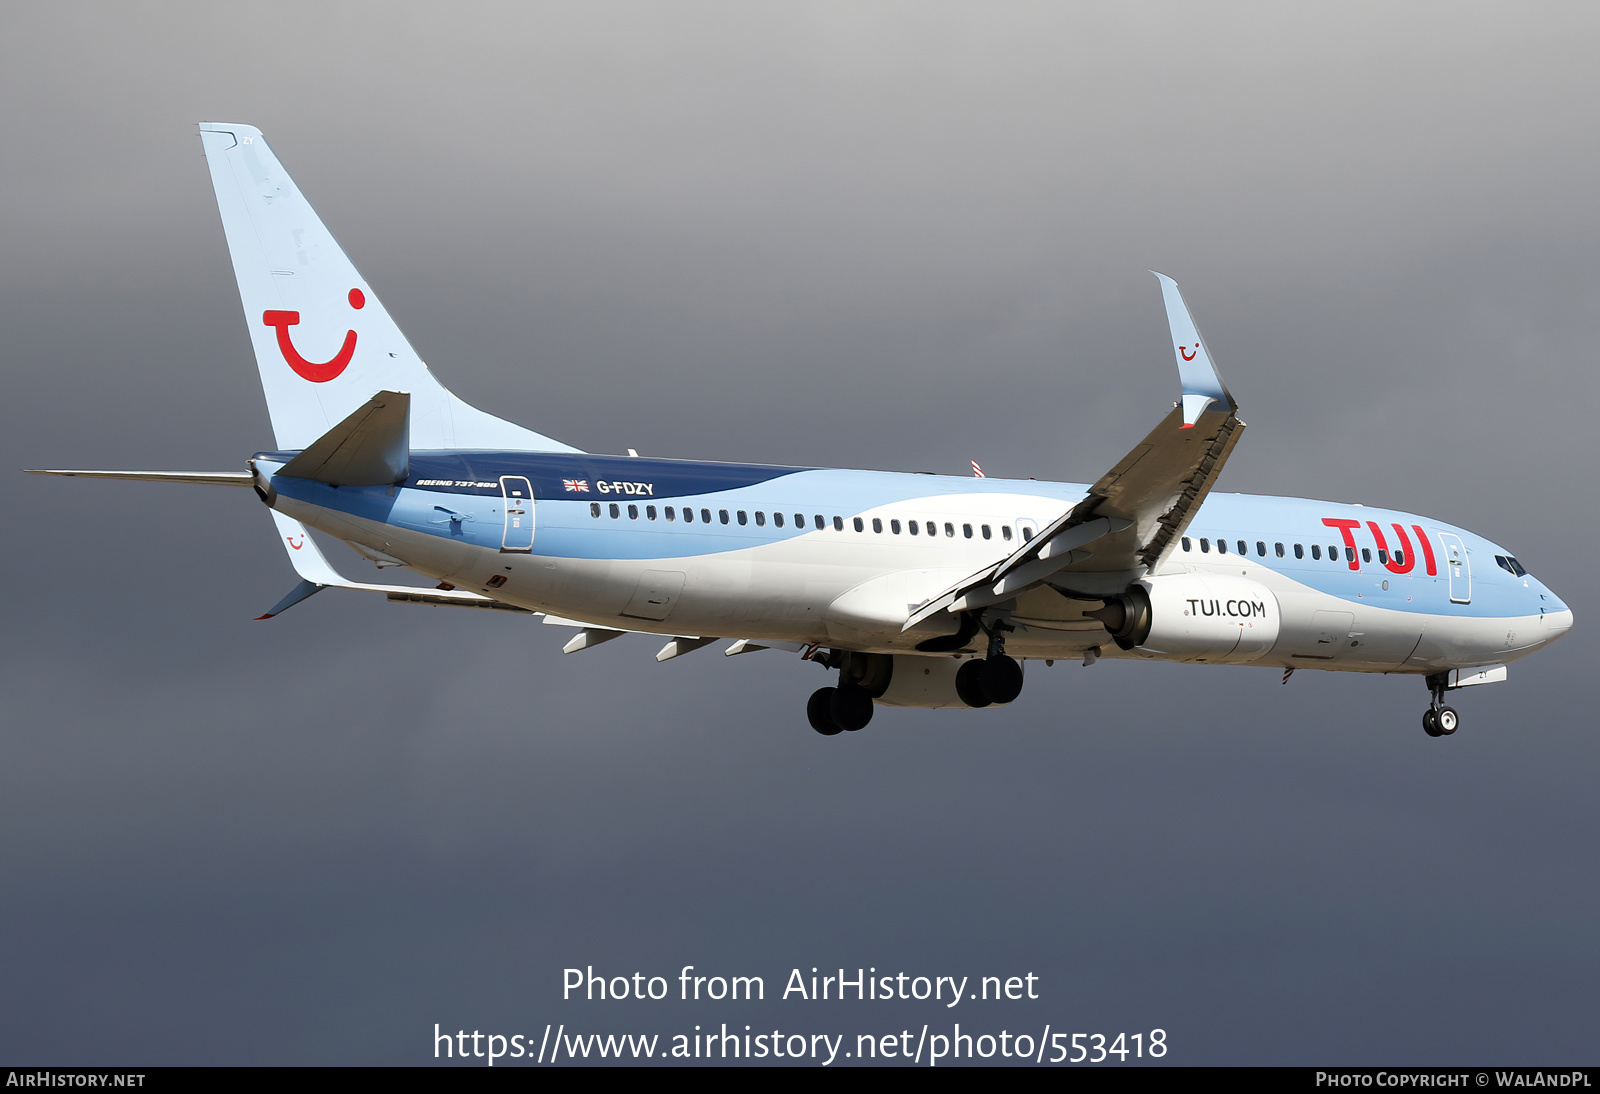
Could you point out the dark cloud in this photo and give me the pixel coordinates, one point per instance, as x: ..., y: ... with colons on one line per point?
x: 893, y: 235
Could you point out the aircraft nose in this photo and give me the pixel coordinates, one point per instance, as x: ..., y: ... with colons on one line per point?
x: 1556, y: 624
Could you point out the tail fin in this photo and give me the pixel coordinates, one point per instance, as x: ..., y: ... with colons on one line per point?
x: 323, y: 341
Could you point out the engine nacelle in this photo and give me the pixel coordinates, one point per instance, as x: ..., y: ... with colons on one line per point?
x: 907, y: 680
x: 1195, y: 617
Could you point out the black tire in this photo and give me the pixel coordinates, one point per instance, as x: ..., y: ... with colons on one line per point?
x: 969, y: 685
x: 819, y: 710
x: 1448, y: 721
x: 851, y: 707
x: 1001, y: 679
x: 1430, y: 723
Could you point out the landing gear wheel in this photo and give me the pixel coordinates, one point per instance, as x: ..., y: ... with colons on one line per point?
x: 819, y: 710
x: 969, y: 685
x: 851, y: 707
x: 1001, y: 679
x: 1430, y: 723
x: 1447, y: 720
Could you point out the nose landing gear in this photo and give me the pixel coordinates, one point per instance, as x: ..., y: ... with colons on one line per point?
x: 1439, y: 720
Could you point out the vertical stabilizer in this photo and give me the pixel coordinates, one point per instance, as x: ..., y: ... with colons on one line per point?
x: 323, y: 341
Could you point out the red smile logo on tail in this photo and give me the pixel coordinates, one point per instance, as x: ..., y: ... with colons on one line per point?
x: 1184, y: 350
x: 317, y: 373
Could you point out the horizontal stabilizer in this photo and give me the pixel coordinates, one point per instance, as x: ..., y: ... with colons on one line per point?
x: 372, y: 447
x: 204, y: 478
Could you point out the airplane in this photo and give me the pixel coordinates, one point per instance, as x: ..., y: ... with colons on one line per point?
x: 916, y: 590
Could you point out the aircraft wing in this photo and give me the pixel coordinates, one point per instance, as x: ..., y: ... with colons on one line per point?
x: 317, y: 573
x: 1131, y: 517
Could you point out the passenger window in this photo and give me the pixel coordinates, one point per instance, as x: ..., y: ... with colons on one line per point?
x: 594, y: 509
x: 877, y: 525
x: 1205, y: 545
x: 650, y: 511
x: 1316, y: 552
x: 743, y: 517
x: 1349, y: 554
x: 1399, y: 558
x: 894, y: 526
x: 1243, y: 550
x: 949, y: 529
x: 986, y: 533
x: 966, y: 530
x: 913, y: 527
x: 1383, y: 556
x: 1005, y: 531
x: 616, y: 511
x: 1366, y: 554
x: 1299, y: 552
x: 1261, y: 549
x: 799, y: 520
x: 633, y: 512
x: 860, y: 527
x: 688, y: 515
x: 1222, y: 546
x: 777, y: 519
x: 1027, y: 532
x: 838, y: 524
x: 1185, y: 542
x: 1278, y: 547
x: 672, y: 514
x: 705, y: 516
x: 722, y: 515
x: 933, y: 529
x: 761, y: 519
x: 821, y: 524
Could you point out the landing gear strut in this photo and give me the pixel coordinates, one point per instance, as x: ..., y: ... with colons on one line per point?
x: 1439, y: 720
x: 995, y: 679
x: 848, y: 707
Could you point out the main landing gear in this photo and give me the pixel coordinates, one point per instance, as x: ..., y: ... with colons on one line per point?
x: 1439, y: 720
x: 995, y: 679
x: 835, y: 710
x: 848, y: 707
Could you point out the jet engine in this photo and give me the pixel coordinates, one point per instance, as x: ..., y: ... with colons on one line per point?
x: 908, y: 680
x: 1194, y: 617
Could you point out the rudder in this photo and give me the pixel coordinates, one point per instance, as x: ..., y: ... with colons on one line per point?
x: 324, y: 343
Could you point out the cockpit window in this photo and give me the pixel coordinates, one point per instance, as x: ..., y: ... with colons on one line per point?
x: 1510, y: 565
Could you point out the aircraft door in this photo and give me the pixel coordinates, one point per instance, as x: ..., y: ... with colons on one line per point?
x: 1455, y: 557
x: 518, y: 493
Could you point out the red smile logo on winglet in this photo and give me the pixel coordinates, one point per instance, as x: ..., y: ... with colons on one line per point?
x: 317, y: 373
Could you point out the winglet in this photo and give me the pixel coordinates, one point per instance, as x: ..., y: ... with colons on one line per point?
x: 316, y: 573
x: 1198, y: 375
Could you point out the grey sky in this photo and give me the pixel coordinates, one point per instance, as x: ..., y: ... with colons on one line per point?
x: 877, y: 235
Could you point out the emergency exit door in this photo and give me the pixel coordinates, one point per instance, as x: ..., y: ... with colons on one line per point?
x: 518, y: 493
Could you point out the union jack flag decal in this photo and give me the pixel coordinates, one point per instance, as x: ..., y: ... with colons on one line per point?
x: 576, y: 486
